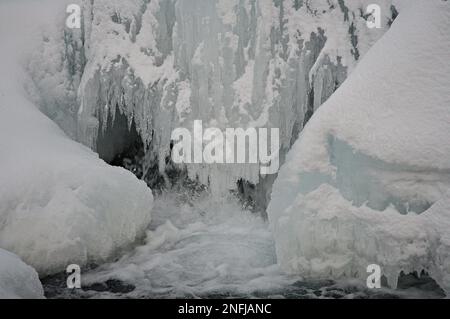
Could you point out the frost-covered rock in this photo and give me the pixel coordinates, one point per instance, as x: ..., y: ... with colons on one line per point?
x: 17, y: 279
x: 368, y: 181
x: 59, y: 203
x: 230, y: 63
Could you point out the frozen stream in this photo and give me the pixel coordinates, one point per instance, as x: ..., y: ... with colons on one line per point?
x: 204, y: 249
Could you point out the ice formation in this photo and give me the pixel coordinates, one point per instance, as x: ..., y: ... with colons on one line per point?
x: 368, y: 181
x: 232, y: 64
x: 17, y: 279
x: 59, y: 203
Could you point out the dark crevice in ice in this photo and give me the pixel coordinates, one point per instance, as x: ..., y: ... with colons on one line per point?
x: 117, y: 138
x: 422, y: 282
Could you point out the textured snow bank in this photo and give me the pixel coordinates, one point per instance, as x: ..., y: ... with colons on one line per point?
x: 18, y: 280
x: 59, y: 203
x: 368, y: 180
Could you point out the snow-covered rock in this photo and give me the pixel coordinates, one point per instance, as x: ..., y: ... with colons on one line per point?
x: 368, y: 181
x: 17, y: 279
x: 59, y: 203
x: 230, y: 63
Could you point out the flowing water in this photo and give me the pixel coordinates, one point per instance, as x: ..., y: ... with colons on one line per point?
x: 206, y: 249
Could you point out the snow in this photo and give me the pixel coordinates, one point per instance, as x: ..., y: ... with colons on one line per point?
x: 59, y: 203
x: 17, y: 279
x: 368, y: 180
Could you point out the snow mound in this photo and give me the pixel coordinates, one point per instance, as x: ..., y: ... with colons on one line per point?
x: 368, y: 180
x: 17, y: 279
x: 59, y: 203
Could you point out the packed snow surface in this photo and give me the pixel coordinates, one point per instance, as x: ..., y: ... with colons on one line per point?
x: 17, y: 279
x: 59, y: 203
x: 368, y: 180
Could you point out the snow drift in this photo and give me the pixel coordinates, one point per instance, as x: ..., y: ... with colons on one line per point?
x: 59, y: 203
x: 368, y: 180
x: 17, y: 279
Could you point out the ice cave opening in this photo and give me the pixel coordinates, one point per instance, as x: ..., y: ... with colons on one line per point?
x: 119, y: 139
x: 119, y: 144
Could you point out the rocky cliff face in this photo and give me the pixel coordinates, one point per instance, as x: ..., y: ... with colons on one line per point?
x: 152, y: 66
